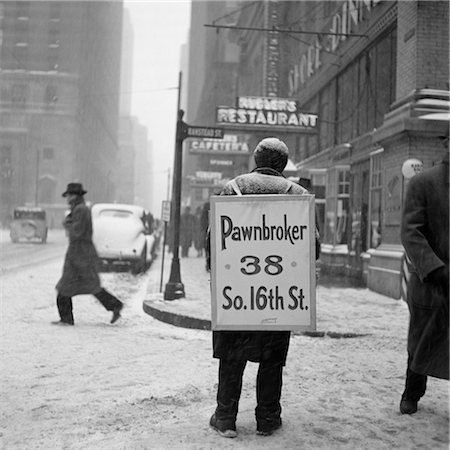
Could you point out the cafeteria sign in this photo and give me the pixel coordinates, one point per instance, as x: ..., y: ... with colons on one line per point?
x: 263, y: 262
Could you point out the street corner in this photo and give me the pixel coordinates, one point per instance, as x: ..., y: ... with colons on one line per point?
x: 174, y: 312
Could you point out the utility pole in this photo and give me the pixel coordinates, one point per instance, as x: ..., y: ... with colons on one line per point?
x: 168, y: 184
x: 36, y: 191
x: 175, y: 287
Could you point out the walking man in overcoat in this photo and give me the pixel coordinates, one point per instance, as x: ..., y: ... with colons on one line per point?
x: 268, y: 348
x: 425, y: 237
x: 80, y: 274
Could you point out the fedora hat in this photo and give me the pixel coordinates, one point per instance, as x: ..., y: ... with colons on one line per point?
x: 74, y: 188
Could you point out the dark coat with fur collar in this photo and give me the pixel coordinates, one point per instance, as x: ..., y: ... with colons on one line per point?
x: 252, y: 345
x: 425, y: 236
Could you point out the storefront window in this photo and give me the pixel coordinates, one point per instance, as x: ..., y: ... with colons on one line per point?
x: 337, y: 222
x: 359, y: 205
x: 375, y: 198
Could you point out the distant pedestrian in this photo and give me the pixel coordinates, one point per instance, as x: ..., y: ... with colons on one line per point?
x: 425, y: 237
x: 199, y: 237
x: 187, y: 227
x: 204, y: 226
x: 148, y: 220
x: 80, y: 274
x: 268, y: 348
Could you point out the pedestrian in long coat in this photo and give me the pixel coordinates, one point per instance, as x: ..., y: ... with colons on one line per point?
x: 268, y: 348
x: 425, y: 237
x: 199, y: 236
x: 80, y: 273
x: 187, y: 227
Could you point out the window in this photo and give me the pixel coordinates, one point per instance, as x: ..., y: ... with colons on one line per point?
x: 338, y: 206
x: 23, y: 10
x: 5, y: 162
x: 50, y: 96
x: 365, y: 90
x: 19, y: 94
x: 20, y: 55
x: 53, y: 58
x: 55, y: 11
x: 375, y: 214
x: 359, y: 206
x: 327, y: 117
x: 48, y: 153
x: 53, y: 38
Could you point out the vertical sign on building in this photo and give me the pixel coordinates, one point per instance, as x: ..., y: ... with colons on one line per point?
x: 272, y: 54
x: 263, y: 262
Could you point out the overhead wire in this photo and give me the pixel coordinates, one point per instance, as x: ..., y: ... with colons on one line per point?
x: 242, y: 8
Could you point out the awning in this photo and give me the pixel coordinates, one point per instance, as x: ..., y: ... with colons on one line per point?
x: 290, y: 167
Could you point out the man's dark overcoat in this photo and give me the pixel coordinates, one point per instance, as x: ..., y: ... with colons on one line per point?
x: 80, y: 274
x: 425, y: 236
x: 250, y: 345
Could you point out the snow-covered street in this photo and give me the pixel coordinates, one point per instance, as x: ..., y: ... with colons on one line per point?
x: 144, y: 384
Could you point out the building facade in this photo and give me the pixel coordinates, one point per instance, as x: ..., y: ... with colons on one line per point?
x: 59, y: 101
x: 382, y: 97
x: 375, y: 75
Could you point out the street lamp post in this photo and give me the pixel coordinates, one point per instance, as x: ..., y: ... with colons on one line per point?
x: 174, y: 287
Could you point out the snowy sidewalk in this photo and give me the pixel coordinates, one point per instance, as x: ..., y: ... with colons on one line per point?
x: 341, y: 311
x: 142, y: 384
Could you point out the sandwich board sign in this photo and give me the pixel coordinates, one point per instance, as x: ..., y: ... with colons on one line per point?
x: 263, y: 262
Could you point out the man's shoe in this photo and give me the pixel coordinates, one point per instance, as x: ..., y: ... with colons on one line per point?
x: 225, y: 428
x: 408, y: 406
x: 267, y: 427
x: 62, y: 322
x: 116, y: 313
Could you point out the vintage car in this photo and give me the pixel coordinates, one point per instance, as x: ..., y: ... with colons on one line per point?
x: 121, y: 236
x: 29, y: 223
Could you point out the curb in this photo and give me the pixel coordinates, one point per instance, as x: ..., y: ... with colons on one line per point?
x: 183, y: 321
x: 177, y: 320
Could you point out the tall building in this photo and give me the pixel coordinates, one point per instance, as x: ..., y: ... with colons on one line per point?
x: 212, y: 76
x: 59, y: 101
x: 358, y: 89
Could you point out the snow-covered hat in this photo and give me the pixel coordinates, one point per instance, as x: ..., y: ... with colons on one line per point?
x: 271, y: 152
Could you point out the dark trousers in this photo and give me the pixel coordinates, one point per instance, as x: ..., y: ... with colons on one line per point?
x: 65, y: 304
x: 268, y: 389
x: 415, y: 384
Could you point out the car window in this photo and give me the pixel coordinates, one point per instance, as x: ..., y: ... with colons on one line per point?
x: 29, y: 215
x: 115, y: 213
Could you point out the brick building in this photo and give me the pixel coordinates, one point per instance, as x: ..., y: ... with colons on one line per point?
x: 59, y: 101
x: 376, y: 75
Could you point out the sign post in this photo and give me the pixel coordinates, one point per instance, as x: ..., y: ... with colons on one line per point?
x: 165, y: 217
x: 263, y: 262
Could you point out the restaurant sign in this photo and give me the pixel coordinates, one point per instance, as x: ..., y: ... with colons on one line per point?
x: 267, y: 112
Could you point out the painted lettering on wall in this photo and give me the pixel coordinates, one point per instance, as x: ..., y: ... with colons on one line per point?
x: 344, y: 22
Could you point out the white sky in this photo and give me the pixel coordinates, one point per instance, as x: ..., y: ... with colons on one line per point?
x: 160, y: 28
